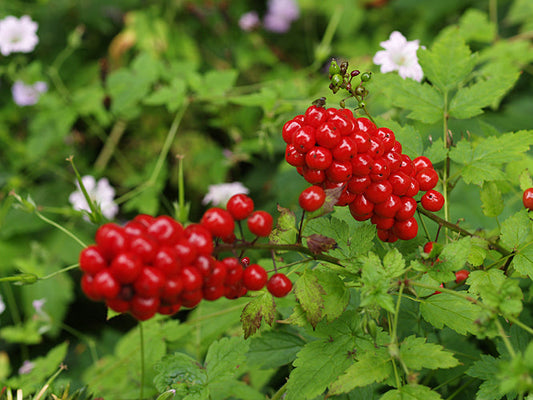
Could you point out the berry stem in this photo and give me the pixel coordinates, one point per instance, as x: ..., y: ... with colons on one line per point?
x: 141, y: 337
x: 460, y: 230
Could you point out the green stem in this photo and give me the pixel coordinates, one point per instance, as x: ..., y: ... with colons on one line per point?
x: 181, y: 191
x: 505, y: 339
x: 49, y: 382
x: 279, y: 394
x: 90, y: 342
x: 70, y: 267
x: 94, y: 209
x: 61, y: 228
x: 325, y: 44
x: 446, y: 169
x: 141, y: 337
x: 110, y: 145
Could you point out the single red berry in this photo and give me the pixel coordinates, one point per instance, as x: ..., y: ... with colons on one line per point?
x: 134, y: 228
x: 421, y: 162
x: 144, y: 219
x: 111, y: 239
x: 165, y: 230
x: 126, y: 267
x: 260, y: 223
x: 389, y: 207
x: 327, y: 135
x: 288, y: 130
x: 376, y: 148
x: 383, y: 223
x: 315, y: 115
x: 428, y: 247
x: 212, y: 293
x: 218, y: 275
x: 527, y: 198
x: 192, y: 278
x: 254, y: 277
x: 362, y: 164
x: 397, y: 147
x: 361, y: 206
x: 170, y: 309
x: 363, y: 141
x: 427, y: 179
x: 407, y: 229
x: 380, y: 170
x: 234, y: 271
x: 304, y: 139
x: 461, y: 275
x: 240, y: 206
x: 149, y: 283
x: 344, y: 123
x: 87, y: 286
x: 171, y: 291
x: 345, y: 198
x: 105, y: 286
x: 387, y: 138
x: 235, y: 291
x: 414, y: 188
x: 363, y: 124
x: 358, y: 184
x: 312, y: 198
x: 143, y: 246
x: 200, y: 237
x: 345, y: 150
x: 167, y: 261
x: 185, y: 252
x: 279, y: 285
x: 218, y: 221
x: 407, y: 166
x: 92, y: 260
x: 386, y: 235
x: 432, y: 200
x: 144, y: 308
x: 118, y: 305
x: 245, y: 261
x: 191, y: 298
x: 318, y: 158
x: 378, y: 192
x: 313, y: 176
x: 394, y: 159
x: 400, y: 183
x: 293, y: 157
x: 407, y: 208
x: 204, y: 264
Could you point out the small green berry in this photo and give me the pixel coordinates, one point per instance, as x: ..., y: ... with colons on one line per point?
x: 365, y: 77
x: 334, y: 68
x: 337, y: 80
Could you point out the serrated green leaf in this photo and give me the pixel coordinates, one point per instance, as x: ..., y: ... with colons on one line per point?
x: 447, y: 310
x: 317, y: 365
x: 411, y: 392
x: 260, y: 308
x: 515, y: 229
x: 475, y: 26
x: 308, y: 292
x: 171, y: 96
x: 224, y: 358
x: 180, y: 372
x: 285, y: 230
x: 265, y: 98
x: 525, y: 180
x: 523, y: 260
x: 487, y: 369
x: 436, y: 152
x: 336, y: 296
x: 478, y: 251
x: 491, y: 199
x: 452, y: 258
x: 375, y: 283
x: 448, y: 62
x: 215, y: 82
x: 424, y: 102
x: 372, y: 366
x: 393, y: 263
x: 25, y: 333
x: 417, y: 354
x: 470, y: 101
x: 482, y: 281
x: 273, y: 349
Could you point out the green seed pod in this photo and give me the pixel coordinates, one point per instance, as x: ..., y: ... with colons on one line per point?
x: 365, y: 76
x: 360, y: 91
x: 337, y: 80
x: 334, y: 68
x: 342, y: 104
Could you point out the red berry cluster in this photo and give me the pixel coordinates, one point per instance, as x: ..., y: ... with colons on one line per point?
x: 332, y: 149
x: 156, y: 265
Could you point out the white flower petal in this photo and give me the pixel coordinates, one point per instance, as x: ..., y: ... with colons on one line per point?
x: 399, y: 55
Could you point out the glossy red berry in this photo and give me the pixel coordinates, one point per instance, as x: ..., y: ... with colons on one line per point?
x: 260, y: 223
x: 200, y: 237
x: 143, y: 246
x: 318, y: 158
x: 240, y: 206
x: 389, y: 207
x: 254, y: 277
x: 111, y: 239
x: 327, y: 135
x: 432, y: 200
x: 527, y: 198
x: 149, y: 282
x: 294, y: 157
x: 378, y: 192
x: 428, y: 247
x: 165, y: 230
x: 407, y: 229
x: 92, y: 260
x: 167, y: 261
x: 279, y: 285
x: 304, y: 139
x: 218, y: 221
x: 345, y: 150
x: 313, y: 176
x: 126, y: 267
x: 427, y: 179
x: 422, y: 162
x: 407, y: 208
x: 361, y: 206
x: 288, y: 130
x: 192, y: 278
x: 234, y: 271
x: 104, y: 285
x: 315, y: 115
x: 312, y: 198
x: 461, y: 275
x: 144, y: 308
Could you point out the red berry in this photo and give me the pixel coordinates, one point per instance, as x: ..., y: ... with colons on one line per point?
x: 145, y: 247
x: 380, y: 170
x: 126, y: 267
x: 400, y: 183
x: 407, y: 229
x: 167, y: 261
x: 171, y: 290
x: 218, y: 275
x: 104, y: 285
x: 111, y: 239
x: 394, y: 159
x: 185, y: 252
x: 192, y: 278
x: 363, y: 141
x: 191, y: 298
x: 461, y: 275
x: 143, y: 308
x: 304, y: 139
x: 245, y: 261
x: 422, y: 162
x: 527, y: 198
x: 313, y: 176
x: 92, y: 260
x: 427, y: 179
x: 407, y: 208
x: 212, y: 293
x: 219, y: 222
x: 312, y: 198
x: 376, y: 147
x: 414, y: 188
x: 389, y: 207
x: 279, y: 285
x: 358, y: 184
x: 387, y: 138
x: 169, y: 309
x: 386, y: 235
x: 361, y: 206
x: 134, y: 228
x: 315, y: 116
x: 407, y: 166
x: 149, y: 282
x: 345, y: 150
x: 318, y: 158
x: 254, y: 277
x: 293, y: 157
x: 288, y: 130
x: 240, y: 206
x: 118, y: 305
x: 378, y: 192
x: 383, y: 223
x: 204, y: 264
x: 200, y: 237
x: 345, y: 198
x: 165, y: 230
x: 234, y: 271
x: 362, y: 164
x: 363, y: 124
x: 327, y: 135
x: 144, y: 219
x: 260, y: 223
x: 87, y: 286
x: 428, y: 247
x: 432, y: 200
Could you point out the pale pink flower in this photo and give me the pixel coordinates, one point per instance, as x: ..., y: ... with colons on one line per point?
x: 249, y: 21
x: 26, y: 367
x: 27, y: 95
x: 280, y: 15
x: 399, y: 55
x: 220, y: 193
x: 101, y: 193
x: 18, y: 35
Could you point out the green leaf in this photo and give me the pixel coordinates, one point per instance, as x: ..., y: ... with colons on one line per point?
x: 487, y: 369
x: 411, y: 392
x: 449, y: 60
x: 515, y: 230
x: 285, y: 230
x: 372, y: 366
x: 475, y: 26
x: 447, y: 310
x: 265, y: 98
x: 171, y: 96
x: 417, y: 354
x: 215, y: 83
x: 481, y: 282
x: 25, y: 333
x: 424, y: 102
x: 393, y: 263
x: 180, y: 372
x: 224, y: 358
x: 126, y: 92
x: 491, y: 199
x: 308, y: 292
x: 375, y: 284
x: 525, y: 180
x: 470, y: 101
x: 436, y: 152
x: 407, y: 135
x: 452, y: 258
x: 273, y: 349
x: 260, y: 307
x: 478, y: 251
x: 336, y: 297
x: 317, y: 365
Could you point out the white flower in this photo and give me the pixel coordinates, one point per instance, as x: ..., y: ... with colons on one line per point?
x: 2, y: 305
x: 27, y: 95
x: 399, y: 55
x: 219, y: 194
x: 26, y: 367
x: 249, y: 21
x: 280, y: 14
x: 17, y: 35
x: 101, y: 193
